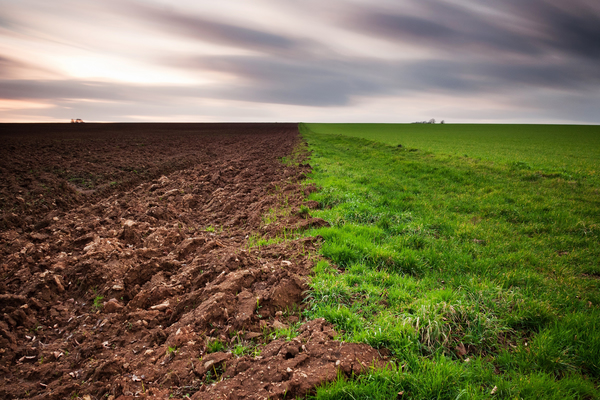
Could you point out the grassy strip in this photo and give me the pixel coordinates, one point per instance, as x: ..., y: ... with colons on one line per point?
x: 480, y: 279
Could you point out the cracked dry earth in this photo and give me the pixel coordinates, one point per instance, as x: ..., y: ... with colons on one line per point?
x: 155, y: 291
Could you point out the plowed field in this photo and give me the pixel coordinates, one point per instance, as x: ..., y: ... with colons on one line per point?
x: 127, y: 269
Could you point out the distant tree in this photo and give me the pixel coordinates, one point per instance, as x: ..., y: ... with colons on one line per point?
x: 442, y: 122
x: 432, y: 121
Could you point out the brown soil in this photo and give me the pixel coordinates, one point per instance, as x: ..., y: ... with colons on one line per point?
x: 143, y: 288
x: 56, y: 166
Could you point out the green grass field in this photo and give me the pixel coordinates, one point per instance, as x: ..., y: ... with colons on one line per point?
x: 551, y: 148
x: 479, y: 273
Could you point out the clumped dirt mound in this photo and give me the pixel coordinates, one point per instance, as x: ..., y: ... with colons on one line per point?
x: 287, y: 369
x: 147, y: 291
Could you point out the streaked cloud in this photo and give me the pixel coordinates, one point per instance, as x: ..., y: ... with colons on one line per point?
x: 377, y: 60
x: 199, y: 28
x: 530, y: 28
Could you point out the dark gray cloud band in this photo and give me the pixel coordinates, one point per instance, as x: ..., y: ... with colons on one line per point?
x: 531, y: 28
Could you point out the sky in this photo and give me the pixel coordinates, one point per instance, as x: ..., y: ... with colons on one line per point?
x: 469, y: 61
